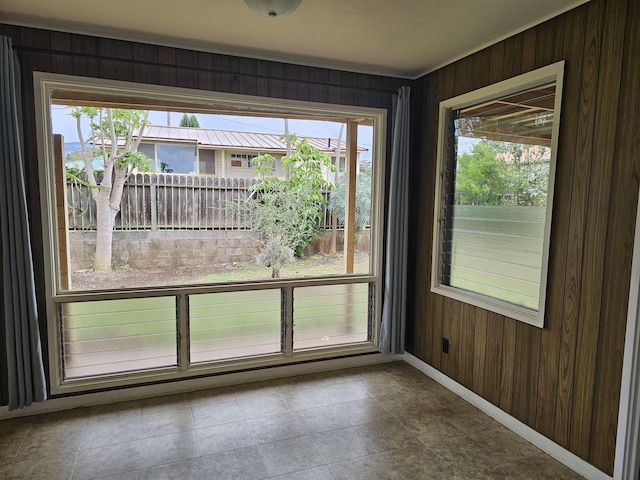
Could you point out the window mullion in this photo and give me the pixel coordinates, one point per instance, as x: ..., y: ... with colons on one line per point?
x: 183, y: 332
x: 287, y: 320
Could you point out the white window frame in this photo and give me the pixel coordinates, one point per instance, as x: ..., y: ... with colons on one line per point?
x: 550, y: 73
x: 44, y: 84
x: 244, y: 157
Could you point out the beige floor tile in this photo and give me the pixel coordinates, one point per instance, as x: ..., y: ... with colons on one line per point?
x: 287, y: 456
x: 273, y: 428
x: 216, y: 414
x: 318, y: 473
x: 256, y: 404
x: 323, y: 419
x: 384, y: 421
x: 187, y: 470
x: 387, y: 434
x: 342, y: 444
x: 372, y: 467
x: 47, y: 467
x: 242, y: 464
x: 222, y: 438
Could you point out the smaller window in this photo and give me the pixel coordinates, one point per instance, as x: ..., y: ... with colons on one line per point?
x: 341, y: 165
x: 242, y: 160
x: 496, y: 163
x: 150, y: 151
x: 207, y: 162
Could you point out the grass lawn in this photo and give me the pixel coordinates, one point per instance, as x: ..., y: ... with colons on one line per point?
x: 312, y: 266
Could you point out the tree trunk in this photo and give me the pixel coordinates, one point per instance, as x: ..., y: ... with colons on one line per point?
x: 104, y: 232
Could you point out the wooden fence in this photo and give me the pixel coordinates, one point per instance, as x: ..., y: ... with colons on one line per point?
x: 153, y: 201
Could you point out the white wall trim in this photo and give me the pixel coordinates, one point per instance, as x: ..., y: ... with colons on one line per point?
x: 158, y: 390
x: 627, y: 461
x: 548, y: 446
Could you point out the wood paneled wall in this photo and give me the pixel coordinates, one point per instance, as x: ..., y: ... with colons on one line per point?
x: 57, y: 52
x: 563, y: 380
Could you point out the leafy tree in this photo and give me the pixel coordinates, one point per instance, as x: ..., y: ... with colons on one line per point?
x: 481, y: 176
x: 112, y: 136
x: 502, y: 173
x: 286, y: 211
x: 337, y: 201
x: 189, y: 121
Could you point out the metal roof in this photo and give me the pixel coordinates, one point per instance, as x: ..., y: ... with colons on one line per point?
x: 205, y: 137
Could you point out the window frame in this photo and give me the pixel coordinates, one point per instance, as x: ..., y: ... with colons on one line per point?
x: 547, y: 74
x: 213, y: 102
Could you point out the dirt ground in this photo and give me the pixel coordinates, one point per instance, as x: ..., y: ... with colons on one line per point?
x: 123, y: 277
x: 318, y: 264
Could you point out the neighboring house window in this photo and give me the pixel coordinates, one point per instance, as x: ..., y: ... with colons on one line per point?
x: 341, y: 165
x: 176, y: 158
x: 241, y: 160
x: 150, y: 151
x: 494, y: 195
x: 207, y: 162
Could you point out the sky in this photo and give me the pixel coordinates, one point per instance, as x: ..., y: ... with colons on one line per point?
x: 65, y: 124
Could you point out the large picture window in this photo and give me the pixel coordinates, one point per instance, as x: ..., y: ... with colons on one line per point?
x: 496, y: 163
x: 164, y: 262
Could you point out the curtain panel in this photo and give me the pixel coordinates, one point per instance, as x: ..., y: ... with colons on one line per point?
x: 392, y: 332
x: 25, y: 372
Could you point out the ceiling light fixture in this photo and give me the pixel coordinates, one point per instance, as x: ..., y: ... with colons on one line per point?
x: 273, y: 8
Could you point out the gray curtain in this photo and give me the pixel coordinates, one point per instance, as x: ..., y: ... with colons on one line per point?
x: 25, y: 372
x: 395, y: 280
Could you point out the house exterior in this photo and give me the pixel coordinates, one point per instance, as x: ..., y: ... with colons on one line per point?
x: 224, y: 153
x: 564, y: 380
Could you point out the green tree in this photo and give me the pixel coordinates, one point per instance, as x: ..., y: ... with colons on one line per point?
x: 111, y: 135
x: 286, y: 211
x: 481, y: 176
x: 338, y: 200
x: 189, y: 121
x: 502, y: 173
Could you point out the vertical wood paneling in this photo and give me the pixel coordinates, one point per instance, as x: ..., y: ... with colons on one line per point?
x: 492, y: 371
x: 61, y: 42
x: 508, y: 364
x: 436, y: 315
x: 145, y: 73
x: 205, y: 73
x: 525, y: 373
x: 548, y: 376
x: 580, y: 193
x: 110, y: 66
x: 451, y: 313
x: 562, y: 380
x: 479, y: 351
x: 616, y: 239
x: 187, y: 77
x: 512, y: 59
x: 596, y: 230
x: 167, y: 71
x: 466, y: 345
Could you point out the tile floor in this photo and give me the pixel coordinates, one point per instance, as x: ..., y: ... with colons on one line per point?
x: 377, y: 422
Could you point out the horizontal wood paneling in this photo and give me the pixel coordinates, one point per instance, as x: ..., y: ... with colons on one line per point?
x: 563, y: 380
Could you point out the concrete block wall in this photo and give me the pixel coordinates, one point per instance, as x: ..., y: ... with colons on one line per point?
x: 185, y: 248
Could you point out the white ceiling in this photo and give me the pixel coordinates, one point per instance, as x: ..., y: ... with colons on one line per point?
x: 404, y: 38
